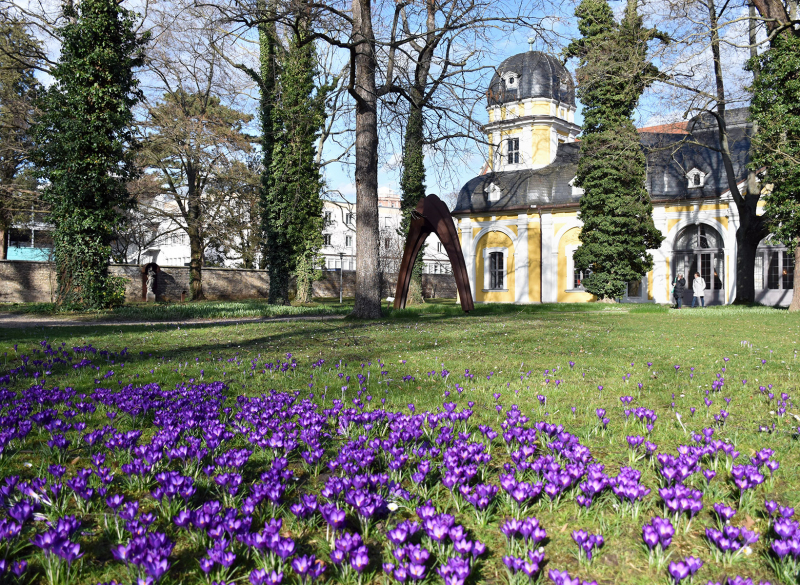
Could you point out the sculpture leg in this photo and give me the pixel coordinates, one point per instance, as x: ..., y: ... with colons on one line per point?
x: 416, y: 238
x: 443, y: 225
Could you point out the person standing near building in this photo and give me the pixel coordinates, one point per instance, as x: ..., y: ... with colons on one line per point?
x: 699, y: 290
x: 678, y: 288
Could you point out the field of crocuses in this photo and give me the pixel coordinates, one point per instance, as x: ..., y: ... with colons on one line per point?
x: 601, y: 457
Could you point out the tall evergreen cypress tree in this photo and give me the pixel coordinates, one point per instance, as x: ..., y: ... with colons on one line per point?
x: 776, y: 145
x: 85, y: 146
x: 293, y: 208
x: 616, y: 210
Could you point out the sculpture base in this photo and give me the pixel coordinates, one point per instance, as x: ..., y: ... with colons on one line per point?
x: 151, y: 297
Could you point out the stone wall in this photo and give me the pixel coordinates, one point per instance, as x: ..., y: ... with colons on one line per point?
x: 22, y: 281
x: 35, y: 282
x: 440, y: 286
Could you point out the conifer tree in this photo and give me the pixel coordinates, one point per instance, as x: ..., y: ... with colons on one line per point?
x: 776, y: 146
x: 616, y: 210
x: 293, y: 207
x: 85, y: 146
x: 18, y: 89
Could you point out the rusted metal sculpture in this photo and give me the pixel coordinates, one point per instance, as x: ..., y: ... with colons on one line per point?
x: 432, y: 216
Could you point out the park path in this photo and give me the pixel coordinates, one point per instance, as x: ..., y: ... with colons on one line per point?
x: 24, y: 321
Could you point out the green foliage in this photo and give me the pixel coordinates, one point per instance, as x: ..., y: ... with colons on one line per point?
x: 306, y: 271
x: 266, y: 79
x: 18, y: 89
x: 292, y: 207
x: 616, y: 210
x: 85, y: 145
x: 776, y: 110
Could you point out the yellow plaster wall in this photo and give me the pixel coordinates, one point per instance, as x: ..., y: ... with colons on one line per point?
x: 571, y: 237
x: 534, y: 263
x: 669, y: 281
x: 650, y: 296
x: 512, y: 227
x: 709, y: 207
x: 671, y: 223
x: 540, y: 145
x: 494, y: 240
x: 539, y: 108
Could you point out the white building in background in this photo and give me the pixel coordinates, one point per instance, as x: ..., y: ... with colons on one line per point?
x: 339, y: 237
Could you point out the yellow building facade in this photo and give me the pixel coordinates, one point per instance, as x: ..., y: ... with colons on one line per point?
x: 519, y: 221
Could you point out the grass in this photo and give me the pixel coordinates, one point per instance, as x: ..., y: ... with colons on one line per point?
x: 518, y: 352
x: 184, y: 311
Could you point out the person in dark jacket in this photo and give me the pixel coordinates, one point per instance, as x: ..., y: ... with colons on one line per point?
x: 678, y: 288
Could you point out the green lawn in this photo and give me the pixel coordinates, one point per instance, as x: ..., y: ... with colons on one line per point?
x: 519, y: 352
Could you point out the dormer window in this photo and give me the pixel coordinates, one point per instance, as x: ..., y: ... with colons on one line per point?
x: 695, y: 178
x: 494, y: 193
x: 576, y: 191
x: 510, y: 80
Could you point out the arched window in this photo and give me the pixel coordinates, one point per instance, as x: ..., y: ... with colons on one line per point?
x: 700, y: 248
x: 774, y: 266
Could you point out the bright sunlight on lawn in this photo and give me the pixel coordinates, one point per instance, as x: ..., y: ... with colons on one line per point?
x: 515, y: 445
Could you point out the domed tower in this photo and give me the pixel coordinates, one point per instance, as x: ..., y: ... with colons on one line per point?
x: 531, y: 107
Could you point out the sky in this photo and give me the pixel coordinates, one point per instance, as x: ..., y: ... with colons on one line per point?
x: 659, y: 105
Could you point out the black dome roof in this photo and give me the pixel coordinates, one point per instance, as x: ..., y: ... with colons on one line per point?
x: 540, y: 75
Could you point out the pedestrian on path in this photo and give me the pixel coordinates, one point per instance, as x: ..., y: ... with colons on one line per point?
x: 699, y: 290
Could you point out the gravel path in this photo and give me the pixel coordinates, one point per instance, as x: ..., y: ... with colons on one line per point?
x: 23, y: 321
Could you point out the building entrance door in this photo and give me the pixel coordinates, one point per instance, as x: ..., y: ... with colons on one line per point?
x: 699, y: 248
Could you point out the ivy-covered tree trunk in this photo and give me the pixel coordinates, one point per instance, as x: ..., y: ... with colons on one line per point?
x: 293, y: 207
x: 616, y: 210
x: 412, y: 184
x: 85, y: 145
x: 267, y: 43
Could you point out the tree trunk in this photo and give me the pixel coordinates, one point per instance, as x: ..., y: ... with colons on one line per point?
x: 368, y: 284
x: 194, y: 225
x: 279, y: 274
x: 795, y: 304
x: 752, y: 228
x: 267, y: 57
x: 4, y: 245
x: 412, y: 183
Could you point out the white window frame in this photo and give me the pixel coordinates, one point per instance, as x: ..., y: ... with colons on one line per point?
x: 486, y: 276
x: 348, y: 241
x: 690, y: 176
x: 569, y: 252
x: 510, y: 153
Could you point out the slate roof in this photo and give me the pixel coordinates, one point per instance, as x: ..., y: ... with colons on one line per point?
x: 540, y: 75
x: 670, y: 157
